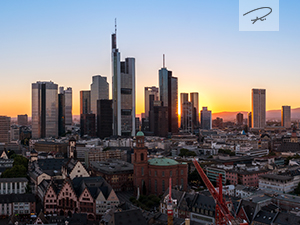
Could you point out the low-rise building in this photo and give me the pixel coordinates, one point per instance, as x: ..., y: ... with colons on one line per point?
x: 13, y: 185
x: 280, y: 183
x: 119, y: 174
x: 12, y: 204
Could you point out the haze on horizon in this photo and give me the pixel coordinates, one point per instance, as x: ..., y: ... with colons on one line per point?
x: 70, y: 41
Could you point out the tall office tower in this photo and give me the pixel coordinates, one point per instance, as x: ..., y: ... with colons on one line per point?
x: 85, y: 102
x: 68, y: 106
x: 249, y: 119
x: 87, y: 125
x: 168, y: 93
x: 44, y: 110
x: 239, y: 119
x: 258, y: 108
x: 99, y: 90
x: 184, y: 97
x: 151, y: 94
x: 286, y: 116
x: 187, y: 120
x: 160, y: 121
x: 206, y: 122
x: 4, y: 129
x: 104, y: 118
x: 194, y: 98
x: 61, y: 112
x: 123, y: 91
x: 23, y: 120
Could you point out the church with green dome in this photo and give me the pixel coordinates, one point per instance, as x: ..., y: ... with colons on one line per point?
x: 151, y: 176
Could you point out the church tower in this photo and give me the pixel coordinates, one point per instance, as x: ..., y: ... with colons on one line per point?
x: 140, y: 165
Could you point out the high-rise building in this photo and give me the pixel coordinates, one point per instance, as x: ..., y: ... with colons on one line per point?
x: 159, y: 121
x: 239, y: 119
x: 184, y: 97
x: 87, y: 125
x: 61, y: 113
x: 194, y: 98
x: 286, y: 116
x: 99, y: 90
x: 85, y: 102
x: 68, y: 106
x: 258, y: 108
x: 44, y: 110
x: 4, y: 129
x: 168, y: 92
x: 123, y: 92
x: 249, y: 115
x: 104, y: 118
x: 187, y: 117
x: 151, y: 94
x: 206, y: 122
x: 23, y: 120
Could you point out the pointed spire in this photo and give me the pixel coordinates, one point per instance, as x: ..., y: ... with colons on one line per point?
x: 115, y: 25
x: 164, y: 66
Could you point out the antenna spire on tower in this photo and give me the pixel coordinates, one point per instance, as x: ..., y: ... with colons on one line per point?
x: 164, y: 61
x: 115, y: 25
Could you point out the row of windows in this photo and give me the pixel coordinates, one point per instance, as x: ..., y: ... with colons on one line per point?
x: 163, y: 172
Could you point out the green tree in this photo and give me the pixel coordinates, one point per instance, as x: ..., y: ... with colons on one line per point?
x: 21, y: 160
x: 186, y: 152
x: 15, y: 171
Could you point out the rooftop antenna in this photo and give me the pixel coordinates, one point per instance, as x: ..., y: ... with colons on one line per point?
x: 164, y: 61
x: 115, y: 25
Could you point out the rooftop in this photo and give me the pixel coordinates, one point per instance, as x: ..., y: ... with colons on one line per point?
x: 162, y: 162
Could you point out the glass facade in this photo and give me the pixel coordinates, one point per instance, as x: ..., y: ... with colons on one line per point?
x: 44, y: 110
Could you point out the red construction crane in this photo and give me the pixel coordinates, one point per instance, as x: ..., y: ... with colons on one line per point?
x: 170, y: 204
x: 223, y: 215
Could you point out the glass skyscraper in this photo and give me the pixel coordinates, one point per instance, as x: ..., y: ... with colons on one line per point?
x: 123, y: 93
x: 258, y: 108
x: 44, y: 110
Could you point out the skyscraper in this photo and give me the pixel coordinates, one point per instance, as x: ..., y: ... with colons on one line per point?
x: 4, y: 129
x: 186, y: 118
x: 206, y: 122
x: 44, y: 110
x: 104, y: 118
x: 184, y: 97
x: 286, y: 116
x: 123, y: 91
x: 194, y: 98
x: 99, y: 90
x: 168, y: 92
x: 85, y: 102
x: 258, y: 108
x: 239, y: 119
x: 151, y: 94
x: 61, y: 112
x: 68, y: 106
x: 249, y: 115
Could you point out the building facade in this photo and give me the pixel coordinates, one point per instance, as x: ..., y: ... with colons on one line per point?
x: 194, y: 98
x: 104, y: 118
x: 123, y: 92
x: 99, y: 90
x: 184, y: 97
x: 23, y: 120
x: 258, y: 108
x: 152, y: 176
x: 88, y: 125
x: 286, y: 116
x: 13, y: 185
x: 239, y: 119
x: 85, y: 102
x: 187, y: 124
x: 44, y: 110
x: 206, y: 121
x: 168, y: 93
x: 4, y: 129
x: 151, y: 94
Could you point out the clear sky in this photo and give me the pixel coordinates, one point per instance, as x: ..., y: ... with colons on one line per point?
x: 69, y: 41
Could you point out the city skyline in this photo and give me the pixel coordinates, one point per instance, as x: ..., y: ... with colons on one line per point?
x: 217, y: 68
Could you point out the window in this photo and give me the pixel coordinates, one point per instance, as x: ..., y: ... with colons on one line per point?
x: 181, y: 172
x: 155, y: 185
x: 155, y: 173
x: 171, y: 173
x: 163, y: 186
x: 163, y: 173
x: 142, y: 171
x: 142, y: 157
